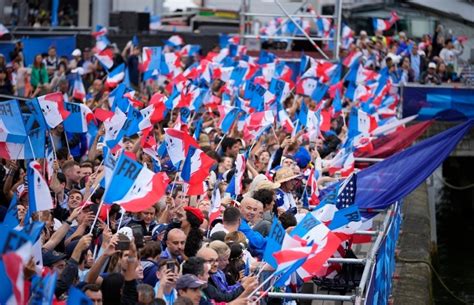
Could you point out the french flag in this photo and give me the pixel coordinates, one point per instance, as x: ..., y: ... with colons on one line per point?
x: 285, y: 121
x: 325, y: 70
x: 352, y: 59
x: 100, y: 31
x: 113, y: 127
x: 383, y: 24
x: 115, y: 76
x: 170, y: 63
x: 346, y: 222
x: 154, y: 113
x: 13, y: 264
x: 235, y: 185
x: 178, y: 144
x: 25, y: 151
x: 133, y: 186
x: 347, y: 36
x: 52, y: 108
x: 79, y: 91
x: 365, y: 75
x: 187, y: 96
x: 39, y: 195
x: 79, y: 119
x: 151, y: 62
x: 102, y: 43
x: 309, y: 119
x: 363, y: 93
x: 106, y: 58
x: 228, y: 115
x: 190, y: 50
x: 175, y: 41
x: 3, y: 30
x: 215, y: 209
x: 361, y: 122
x: 324, y: 26
x: 12, y: 128
x: 256, y: 123
x: 306, y: 86
x: 196, y: 169
x: 310, y: 231
x: 342, y: 162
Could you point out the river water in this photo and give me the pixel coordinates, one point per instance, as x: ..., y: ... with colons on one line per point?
x: 455, y: 231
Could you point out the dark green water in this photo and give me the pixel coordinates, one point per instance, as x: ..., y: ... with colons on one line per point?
x: 455, y: 225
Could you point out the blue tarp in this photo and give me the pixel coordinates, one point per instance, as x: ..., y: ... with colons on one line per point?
x: 394, y: 178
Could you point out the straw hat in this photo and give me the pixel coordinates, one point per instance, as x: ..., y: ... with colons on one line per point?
x: 285, y: 174
x: 267, y: 184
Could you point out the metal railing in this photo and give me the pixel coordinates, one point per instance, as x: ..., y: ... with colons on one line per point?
x: 246, y: 18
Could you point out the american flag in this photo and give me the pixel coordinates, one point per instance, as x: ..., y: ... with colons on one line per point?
x: 347, y: 192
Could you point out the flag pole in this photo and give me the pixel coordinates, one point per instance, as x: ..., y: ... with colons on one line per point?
x: 31, y: 147
x: 220, y: 142
x: 67, y: 143
x: 52, y: 144
x: 261, y: 285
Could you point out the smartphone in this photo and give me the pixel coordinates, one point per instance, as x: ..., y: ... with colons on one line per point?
x: 123, y: 245
x: 171, y: 265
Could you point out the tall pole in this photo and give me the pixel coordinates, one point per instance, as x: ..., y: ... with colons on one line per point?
x: 243, y: 20
x: 100, y: 12
x: 338, y: 19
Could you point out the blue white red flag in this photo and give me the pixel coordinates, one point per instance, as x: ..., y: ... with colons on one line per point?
x: 384, y: 24
x: 352, y: 59
x: 100, y: 31
x: 52, y: 108
x: 106, y: 58
x: 133, y: 186
x: 151, y: 62
x: 178, y: 144
x: 12, y: 128
x: 227, y: 115
x: 115, y: 76
x: 235, y: 185
x: 32, y: 148
x: 196, y: 168
x: 79, y: 119
x: 78, y: 90
x: 114, y: 128
x: 154, y: 113
x: 38, y: 190
x: 77, y: 297
x: 15, y: 290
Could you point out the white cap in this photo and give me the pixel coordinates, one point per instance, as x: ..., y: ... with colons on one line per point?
x: 363, y: 33
x: 432, y: 65
x: 127, y: 231
x: 76, y: 52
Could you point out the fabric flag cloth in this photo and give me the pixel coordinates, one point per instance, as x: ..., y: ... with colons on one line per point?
x: 32, y: 148
x: 79, y: 119
x: 78, y: 90
x: 196, y: 168
x: 384, y: 24
x: 394, y: 178
x: 311, y: 231
x: 133, y: 186
x: 178, y: 144
x: 100, y: 31
x: 106, y: 58
x: 77, y: 297
x: 12, y: 128
x: 53, y: 109
x: 235, y: 184
x: 385, y: 146
x: 13, y: 263
x: 3, y: 30
x: 115, y: 76
x: 215, y: 209
x: 151, y: 62
x: 154, y: 113
x: 228, y: 115
x: 39, y: 195
x: 113, y: 128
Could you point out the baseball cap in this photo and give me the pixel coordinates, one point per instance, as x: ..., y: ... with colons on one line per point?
x: 432, y: 65
x: 76, y: 52
x: 189, y: 281
x: 51, y: 257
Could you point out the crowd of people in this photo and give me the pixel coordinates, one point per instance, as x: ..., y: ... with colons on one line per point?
x: 177, y: 251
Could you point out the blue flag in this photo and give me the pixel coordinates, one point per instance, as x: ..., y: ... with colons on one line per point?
x: 11, y: 218
x: 394, y: 178
x: 274, y: 242
x: 77, y: 297
x: 11, y: 123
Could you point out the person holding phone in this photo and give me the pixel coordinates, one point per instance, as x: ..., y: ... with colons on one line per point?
x: 167, y: 274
